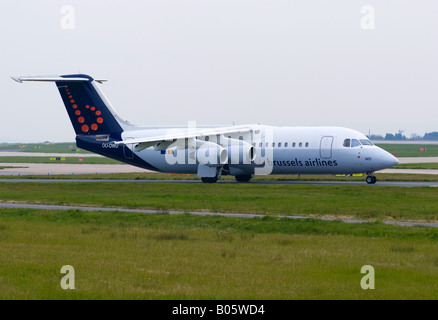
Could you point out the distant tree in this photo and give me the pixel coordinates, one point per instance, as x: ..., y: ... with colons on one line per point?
x: 397, y: 136
x: 415, y: 136
x: 431, y: 136
x: 389, y: 136
x: 376, y: 137
x: 400, y: 135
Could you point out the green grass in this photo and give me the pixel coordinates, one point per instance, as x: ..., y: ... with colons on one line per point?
x: 362, y: 202
x: 75, y: 160
x: 139, y: 256
x: 59, y: 147
x: 159, y: 256
x: 411, y: 150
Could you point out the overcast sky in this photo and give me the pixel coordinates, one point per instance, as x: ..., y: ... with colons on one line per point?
x: 285, y: 63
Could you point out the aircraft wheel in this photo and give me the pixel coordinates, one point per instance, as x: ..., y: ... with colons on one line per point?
x: 243, y: 177
x: 371, y: 180
x: 209, y: 180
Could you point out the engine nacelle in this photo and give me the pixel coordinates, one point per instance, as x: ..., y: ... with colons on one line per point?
x: 211, y: 154
x: 239, y: 151
x: 243, y: 154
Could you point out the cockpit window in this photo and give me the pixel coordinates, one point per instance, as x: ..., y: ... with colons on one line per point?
x: 366, y: 142
x: 347, y: 143
x: 355, y: 143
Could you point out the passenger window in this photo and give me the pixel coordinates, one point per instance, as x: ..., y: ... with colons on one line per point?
x: 300, y: 145
x: 293, y: 145
x: 273, y: 144
x: 267, y: 144
x: 347, y: 143
x: 260, y: 144
x: 279, y: 144
x: 307, y: 144
x: 355, y: 143
x: 285, y: 144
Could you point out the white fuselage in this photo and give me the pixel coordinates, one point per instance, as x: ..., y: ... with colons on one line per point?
x: 279, y: 150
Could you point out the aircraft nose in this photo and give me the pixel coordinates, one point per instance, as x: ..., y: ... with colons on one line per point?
x: 384, y: 159
x: 389, y: 160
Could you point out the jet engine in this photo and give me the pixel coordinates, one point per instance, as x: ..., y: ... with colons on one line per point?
x: 211, y: 154
x: 239, y: 151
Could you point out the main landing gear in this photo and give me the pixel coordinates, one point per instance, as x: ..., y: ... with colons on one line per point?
x: 239, y: 178
x: 243, y: 177
x: 209, y: 180
x: 371, y: 179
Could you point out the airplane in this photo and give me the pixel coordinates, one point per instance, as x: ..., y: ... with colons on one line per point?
x: 242, y: 151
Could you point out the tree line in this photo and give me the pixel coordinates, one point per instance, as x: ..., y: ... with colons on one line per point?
x: 401, y: 136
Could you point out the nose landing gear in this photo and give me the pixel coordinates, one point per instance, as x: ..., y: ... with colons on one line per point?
x: 371, y: 179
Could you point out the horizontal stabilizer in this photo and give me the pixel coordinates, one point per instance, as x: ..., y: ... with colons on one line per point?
x: 54, y: 79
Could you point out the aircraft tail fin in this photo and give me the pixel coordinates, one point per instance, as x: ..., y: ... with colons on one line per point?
x: 89, y: 111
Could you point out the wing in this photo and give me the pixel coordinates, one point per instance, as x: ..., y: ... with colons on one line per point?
x: 163, y: 141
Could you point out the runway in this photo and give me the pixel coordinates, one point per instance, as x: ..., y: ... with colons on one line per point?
x: 224, y: 214
x: 410, y: 171
x: 22, y: 169
x: 48, y: 169
x: 255, y: 182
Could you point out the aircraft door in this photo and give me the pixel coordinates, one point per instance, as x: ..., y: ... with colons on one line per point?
x: 326, y: 147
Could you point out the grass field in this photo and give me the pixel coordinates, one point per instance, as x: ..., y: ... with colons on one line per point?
x: 159, y: 256
x: 140, y: 256
x: 59, y: 147
x: 362, y: 202
x: 50, y: 159
x: 120, y: 255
